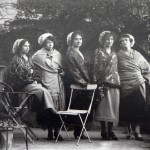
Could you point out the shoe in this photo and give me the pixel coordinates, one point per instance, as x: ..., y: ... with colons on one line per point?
x: 138, y: 137
x: 105, y: 136
x: 82, y: 136
x: 112, y: 136
x: 50, y: 135
x: 128, y: 136
x: 60, y: 138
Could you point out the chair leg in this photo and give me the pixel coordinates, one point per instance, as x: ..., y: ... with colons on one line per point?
x: 31, y: 136
x: 83, y: 129
x: 63, y: 125
x: 7, y: 139
x: 26, y: 138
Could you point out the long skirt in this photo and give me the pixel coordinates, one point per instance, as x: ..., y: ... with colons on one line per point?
x: 43, y: 95
x: 45, y: 109
x: 132, y: 107
x: 54, y: 84
x: 108, y: 107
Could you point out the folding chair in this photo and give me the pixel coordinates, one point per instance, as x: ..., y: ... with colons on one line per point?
x: 15, y: 119
x: 76, y: 112
x: 6, y: 132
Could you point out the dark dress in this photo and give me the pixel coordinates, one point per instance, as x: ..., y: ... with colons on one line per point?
x: 79, y: 75
x: 77, y: 67
x: 133, y: 71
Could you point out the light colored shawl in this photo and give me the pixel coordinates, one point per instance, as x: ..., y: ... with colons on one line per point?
x: 46, y: 60
x: 132, y: 71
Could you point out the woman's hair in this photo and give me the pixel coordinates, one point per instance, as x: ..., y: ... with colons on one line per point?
x: 105, y: 36
x: 22, y: 42
x: 125, y: 36
x: 51, y: 38
x: 131, y: 38
x: 74, y: 35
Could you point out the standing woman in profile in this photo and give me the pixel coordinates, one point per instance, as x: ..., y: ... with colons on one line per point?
x: 105, y: 74
x: 133, y: 70
x: 78, y: 72
x: 50, y: 64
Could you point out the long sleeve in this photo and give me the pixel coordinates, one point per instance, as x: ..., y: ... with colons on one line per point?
x: 92, y: 67
x: 78, y: 68
x: 20, y: 73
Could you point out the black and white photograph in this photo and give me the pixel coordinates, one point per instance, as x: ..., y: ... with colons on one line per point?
x: 74, y: 74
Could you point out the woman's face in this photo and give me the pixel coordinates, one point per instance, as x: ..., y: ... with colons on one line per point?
x: 77, y: 42
x: 49, y: 45
x: 109, y: 41
x: 25, y: 48
x: 125, y: 42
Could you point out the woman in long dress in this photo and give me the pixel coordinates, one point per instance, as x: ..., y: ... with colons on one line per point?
x: 50, y: 64
x: 79, y: 74
x: 134, y: 71
x: 21, y: 79
x: 105, y: 74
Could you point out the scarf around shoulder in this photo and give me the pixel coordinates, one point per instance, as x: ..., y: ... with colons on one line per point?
x: 19, y: 73
x: 77, y: 66
x: 41, y: 58
x: 104, y: 67
x: 132, y: 71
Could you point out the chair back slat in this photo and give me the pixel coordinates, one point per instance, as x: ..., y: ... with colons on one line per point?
x: 89, y: 87
x: 70, y: 100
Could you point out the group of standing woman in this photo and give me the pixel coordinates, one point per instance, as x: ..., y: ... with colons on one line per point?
x: 120, y: 77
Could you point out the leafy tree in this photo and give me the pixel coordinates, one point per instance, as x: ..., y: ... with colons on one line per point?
x: 118, y: 14
x: 60, y: 17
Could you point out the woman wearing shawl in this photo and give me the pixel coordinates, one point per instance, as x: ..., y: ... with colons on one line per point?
x: 78, y: 72
x: 133, y: 68
x: 105, y: 74
x: 21, y: 79
x: 50, y: 65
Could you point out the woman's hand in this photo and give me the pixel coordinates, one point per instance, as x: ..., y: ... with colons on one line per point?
x: 35, y: 82
x: 61, y: 72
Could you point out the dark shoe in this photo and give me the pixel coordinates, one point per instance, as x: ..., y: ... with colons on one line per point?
x: 128, y: 136
x: 105, y: 136
x: 50, y: 135
x: 60, y: 138
x: 82, y: 136
x: 138, y: 137
x: 112, y: 136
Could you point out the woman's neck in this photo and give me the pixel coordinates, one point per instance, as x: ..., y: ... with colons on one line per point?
x: 107, y: 49
x: 49, y: 50
x: 127, y: 49
x: 24, y: 56
x: 76, y: 48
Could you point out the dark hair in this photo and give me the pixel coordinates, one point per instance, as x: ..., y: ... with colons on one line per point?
x: 125, y: 36
x: 21, y: 44
x: 107, y: 35
x: 51, y: 38
x: 74, y: 34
